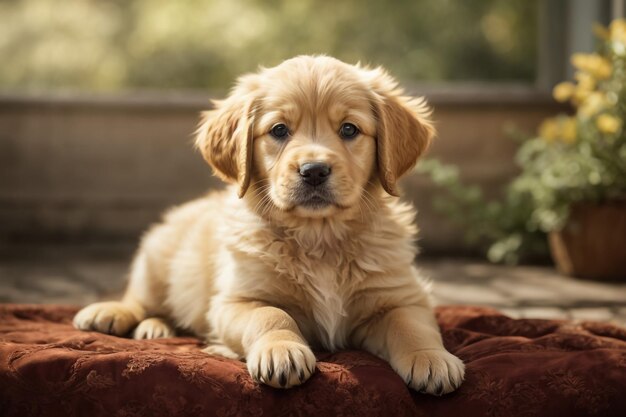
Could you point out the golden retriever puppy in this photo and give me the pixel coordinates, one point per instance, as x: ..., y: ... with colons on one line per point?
x: 309, y: 248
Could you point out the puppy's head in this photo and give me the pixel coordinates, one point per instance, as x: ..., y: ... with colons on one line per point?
x: 309, y: 137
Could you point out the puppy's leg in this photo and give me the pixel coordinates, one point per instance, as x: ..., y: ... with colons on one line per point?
x: 119, y: 317
x: 409, y: 339
x: 111, y: 317
x: 275, y: 350
x: 153, y: 328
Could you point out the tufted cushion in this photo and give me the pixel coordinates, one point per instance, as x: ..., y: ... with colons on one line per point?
x: 514, y: 368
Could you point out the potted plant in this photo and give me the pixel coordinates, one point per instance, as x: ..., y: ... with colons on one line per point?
x: 572, y: 185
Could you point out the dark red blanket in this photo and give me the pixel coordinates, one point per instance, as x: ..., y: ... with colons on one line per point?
x: 514, y: 368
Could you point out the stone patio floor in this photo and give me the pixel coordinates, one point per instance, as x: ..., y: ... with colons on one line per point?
x: 79, y: 276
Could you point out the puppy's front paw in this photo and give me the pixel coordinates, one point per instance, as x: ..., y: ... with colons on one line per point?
x: 433, y: 371
x: 153, y: 328
x: 281, y: 364
x: 109, y: 317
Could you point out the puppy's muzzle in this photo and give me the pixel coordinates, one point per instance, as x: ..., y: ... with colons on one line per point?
x: 313, y: 191
x: 314, y: 173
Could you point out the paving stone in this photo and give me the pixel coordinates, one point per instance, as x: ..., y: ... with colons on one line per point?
x: 519, y: 286
x: 514, y: 313
x: 620, y: 312
x: 456, y: 293
x: 521, y: 290
x: 619, y: 315
x: 551, y: 313
x: 597, y: 313
x: 72, y: 277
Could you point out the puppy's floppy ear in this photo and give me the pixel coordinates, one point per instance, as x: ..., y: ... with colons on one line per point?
x: 225, y: 138
x: 404, y: 129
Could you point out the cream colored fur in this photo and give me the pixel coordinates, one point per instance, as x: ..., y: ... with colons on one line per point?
x: 266, y: 279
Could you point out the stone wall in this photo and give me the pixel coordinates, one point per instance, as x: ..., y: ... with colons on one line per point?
x: 100, y: 169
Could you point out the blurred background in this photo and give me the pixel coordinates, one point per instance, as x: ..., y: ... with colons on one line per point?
x: 119, y: 45
x: 99, y: 99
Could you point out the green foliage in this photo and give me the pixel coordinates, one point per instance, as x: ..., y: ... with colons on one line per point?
x: 501, y: 222
x: 116, y: 44
x: 573, y: 160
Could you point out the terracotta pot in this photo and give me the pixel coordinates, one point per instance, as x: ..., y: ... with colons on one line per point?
x: 593, y: 242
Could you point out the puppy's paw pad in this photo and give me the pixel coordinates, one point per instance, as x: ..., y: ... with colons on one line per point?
x: 434, y: 371
x: 153, y: 328
x: 281, y: 364
x: 108, y: 317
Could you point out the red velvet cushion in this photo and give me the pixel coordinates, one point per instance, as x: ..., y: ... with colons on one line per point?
x: 514, y: 368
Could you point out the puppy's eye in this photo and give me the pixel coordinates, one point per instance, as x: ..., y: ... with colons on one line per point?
x: 348, y: 131
x: 279, y: 131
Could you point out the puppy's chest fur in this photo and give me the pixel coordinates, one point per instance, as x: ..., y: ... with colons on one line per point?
x: 320, y: 289
x: 316, y: 274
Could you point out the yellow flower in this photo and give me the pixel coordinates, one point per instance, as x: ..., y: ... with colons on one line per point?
x: 601, y: 32
x: 563, y: 91
x: 617, y: 31
x: 608, y: 124
x: 580, y: 95
x: 549, y: 130
x: 559, y: 128
x: 593, y: 64
x: 585, y: 85
x: 568, y: 130
x: 593, y: 104
x: 585, y: 81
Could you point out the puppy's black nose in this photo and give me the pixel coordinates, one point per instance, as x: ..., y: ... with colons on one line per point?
x: 314, y: 173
